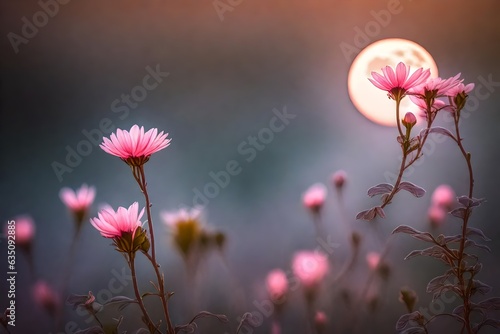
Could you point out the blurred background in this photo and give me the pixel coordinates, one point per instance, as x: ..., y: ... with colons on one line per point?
x: 230, y: 64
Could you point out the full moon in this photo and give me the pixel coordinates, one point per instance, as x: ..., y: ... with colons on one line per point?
x: 372, y: 102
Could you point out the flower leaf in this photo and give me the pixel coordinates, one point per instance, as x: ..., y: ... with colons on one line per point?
x: 478, y: 286
x: 475, y: 231
x: 489, y: 304
x: 371, y: 213
x: 412, y: 189
x: 379, y: 189
x: 459, y: 213
x: 439, y: 130
x: 414, y: 318
x: 425, y: 236
x: 488, y: 322
x: 124, y: 301
x: 472, y: 243
x: 470, y: 202
x: 438, y: 282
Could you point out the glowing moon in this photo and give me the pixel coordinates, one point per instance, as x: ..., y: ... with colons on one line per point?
x: 372, y: 102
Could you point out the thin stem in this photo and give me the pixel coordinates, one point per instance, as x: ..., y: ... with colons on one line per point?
x: 465, y: 288
x: 150, y: 323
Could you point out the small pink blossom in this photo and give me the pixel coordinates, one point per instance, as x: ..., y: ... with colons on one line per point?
x: 314, y: 197
x: 79, y: 200
x: 24, y: 230
x: 460, y: 89
x: 373, y: 260
x: 443, y: 196
x: 339, y: 178
x: 436, y: 87
x: 436, y: 215
x: 45, y: 296
x: 320, y: 318
x: 173, y: 218
x: 310, y: 268
x: 113, y: 224
x: 135, y: 146
x: 277, y: 284
x: 398, y: 82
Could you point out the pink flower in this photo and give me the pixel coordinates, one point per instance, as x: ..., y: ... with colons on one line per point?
x: 314, y: 197
x: 113, y: 224
x: 80, y: 200
x: 339, y: 178
x: 436, y: 87
x: 183, y: 215
x: 320, y: 318
x: 45, y: 296
x: 437, y: 215
x: 23, y: 229
x: 310, y: 268
x: 399, y: 82
x: 373, y: 259
x: 277, y: 284
x: 135, y: 147
x: 443, y: 196
x: 460, y: 89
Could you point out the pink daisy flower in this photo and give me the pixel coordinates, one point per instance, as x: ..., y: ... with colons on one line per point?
x: 436, y: 87
x: 79, y: 200
x: 422, y: 105
x: 314, y: 197
x: 460, y: 89
x: 24, y: 230
x: 398, y: 82
x: 135, y: 146
x: 113, y: 224
x: 310, y: 268
x: 277, y: 284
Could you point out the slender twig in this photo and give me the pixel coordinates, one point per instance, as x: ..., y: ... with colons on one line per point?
x: 150, y: 323
x: 143, y: 185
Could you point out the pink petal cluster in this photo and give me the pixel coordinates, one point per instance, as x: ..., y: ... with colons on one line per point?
x: 79, y: 200
x: 399, y: 81
x: 320, y: 318
x: 112, y: 224
x: 436, y: 215
x: 459, y: 89
x: 422, y: 105
x: 339, y: 178
x: 314, y: 197
x: 135, y: 143
x: 172, y: 218
x: 45, y: 296
x: 373, y: 259
x: 310, y: 268
x: 277, y: 284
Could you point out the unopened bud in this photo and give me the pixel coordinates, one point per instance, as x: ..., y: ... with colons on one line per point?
x: 409, y: 120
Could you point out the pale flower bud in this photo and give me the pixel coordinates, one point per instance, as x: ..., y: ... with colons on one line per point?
x: 443, y: 197
x: 339, y: 178
x: 409, y: 120
x: 277, y: 285
x: 314, y: 197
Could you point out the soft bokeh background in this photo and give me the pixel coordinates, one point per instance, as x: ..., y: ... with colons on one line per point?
x: 226, y: 76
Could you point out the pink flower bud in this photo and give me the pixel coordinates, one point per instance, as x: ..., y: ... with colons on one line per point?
x: 443, y: 196
x: 320, y: 318
x: 277, y: 285
x: 24, y: 230
x: 339, y: 178
x: 436, y: 214
x: 314, y: 197
x: 373, y: 259
x: 409, y: 119
x: 45, y: 296
x: 310, y: 268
